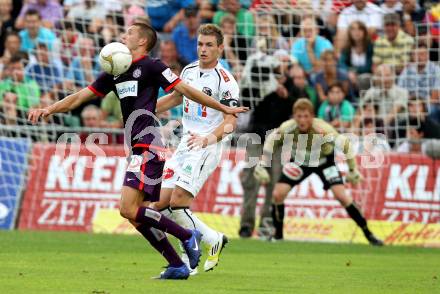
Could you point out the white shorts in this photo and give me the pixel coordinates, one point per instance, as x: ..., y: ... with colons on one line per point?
x: 189, y: 169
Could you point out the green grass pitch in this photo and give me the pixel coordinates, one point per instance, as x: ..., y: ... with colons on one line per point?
x: 47, y: 262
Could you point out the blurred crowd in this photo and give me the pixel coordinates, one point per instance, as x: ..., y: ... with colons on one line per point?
x: 367, y: 66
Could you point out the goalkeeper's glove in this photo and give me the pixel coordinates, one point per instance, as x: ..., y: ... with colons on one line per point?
x: 261, y: 174
x: 354, y: 177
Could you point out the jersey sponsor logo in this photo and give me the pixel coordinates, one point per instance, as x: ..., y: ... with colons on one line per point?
x: 207, y: 91
x: 127, y: 89
x: 292, y: 171
x: 137, y: 73
x: 168, y: 173
x: 169, y: 75
x: 224, y: 75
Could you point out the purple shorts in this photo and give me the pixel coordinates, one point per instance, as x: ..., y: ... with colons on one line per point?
x: 144, y: 171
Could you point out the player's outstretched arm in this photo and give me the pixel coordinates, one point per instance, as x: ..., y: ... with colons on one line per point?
x: 202, y: 98
x: 70, y: 102
x: 169, y: 101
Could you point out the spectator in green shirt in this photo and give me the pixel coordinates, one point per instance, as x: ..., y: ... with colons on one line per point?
x: 111, y: 111
x: 245, y: 19
x: 336, y: 110
x: 26, y: 90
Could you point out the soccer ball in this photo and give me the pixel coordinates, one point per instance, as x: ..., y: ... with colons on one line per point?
x: 115, y: 58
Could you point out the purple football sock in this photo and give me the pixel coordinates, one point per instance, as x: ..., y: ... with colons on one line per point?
x: 160, y: 242
x: 156, y: 220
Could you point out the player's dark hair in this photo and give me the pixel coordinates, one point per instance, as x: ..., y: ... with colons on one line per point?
x: 303, y: 104
x: 210, y: 29
x: 148, y: 32
x: 33, y: 12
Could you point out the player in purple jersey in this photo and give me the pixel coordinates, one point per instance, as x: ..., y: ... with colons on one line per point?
x: 137, y: 90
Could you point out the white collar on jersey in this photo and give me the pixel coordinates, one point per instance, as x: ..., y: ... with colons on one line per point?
x: 205, y: 70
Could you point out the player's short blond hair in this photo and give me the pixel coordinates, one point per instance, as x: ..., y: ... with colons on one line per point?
x: 210, y: 29
x: 147, y: 31
x: 303, y: 104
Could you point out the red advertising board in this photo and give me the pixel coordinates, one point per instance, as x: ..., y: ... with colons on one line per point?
x: 65, y: 191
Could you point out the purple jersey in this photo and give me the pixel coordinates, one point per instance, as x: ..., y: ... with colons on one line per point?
x: 137, y: 90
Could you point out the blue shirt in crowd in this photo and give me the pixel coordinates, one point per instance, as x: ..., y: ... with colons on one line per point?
x: 185, y: 44
x: 44, y: 35
x: 161, y: 11
x: 299, y: 51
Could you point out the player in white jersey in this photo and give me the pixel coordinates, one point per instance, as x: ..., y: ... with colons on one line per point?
x: 204, y: 129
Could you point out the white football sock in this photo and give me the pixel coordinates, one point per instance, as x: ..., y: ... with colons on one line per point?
x: 185, y: 218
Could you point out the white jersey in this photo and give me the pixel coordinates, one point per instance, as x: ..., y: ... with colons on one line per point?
x: 217, y: 83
